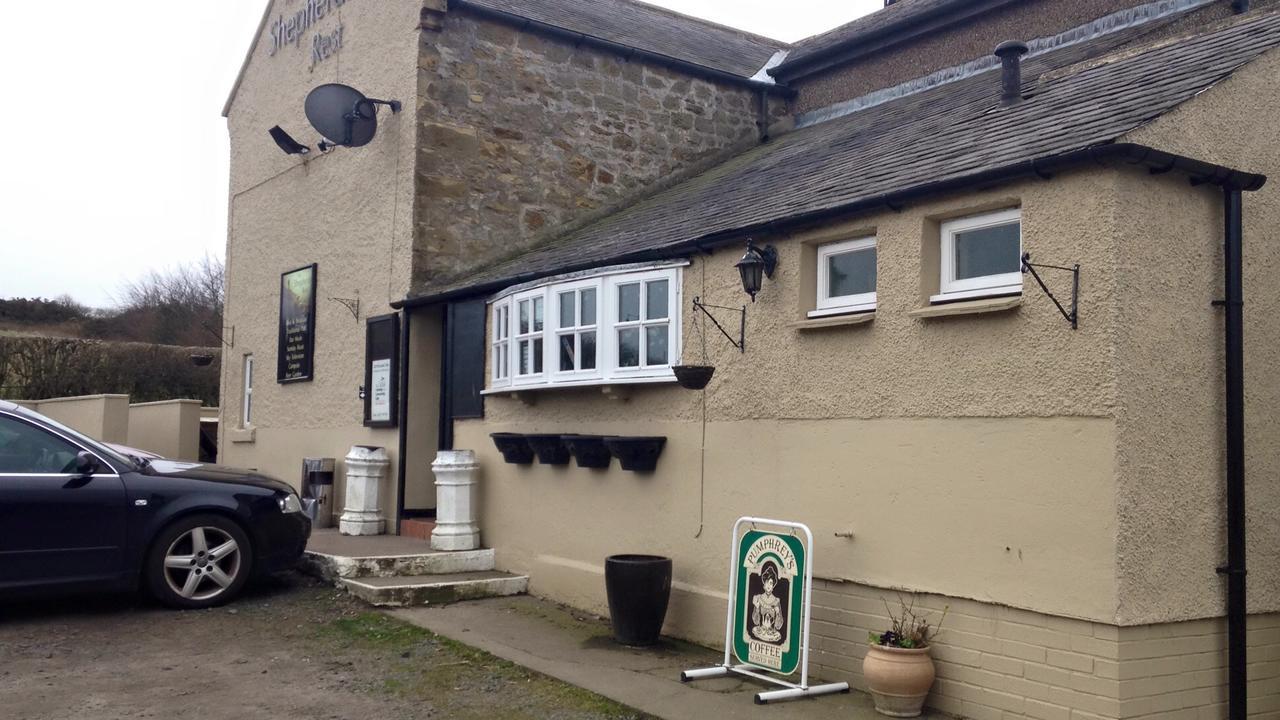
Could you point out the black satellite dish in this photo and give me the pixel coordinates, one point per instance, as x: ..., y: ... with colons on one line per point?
x: 343, y: 115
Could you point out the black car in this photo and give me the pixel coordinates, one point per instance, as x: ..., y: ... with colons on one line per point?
x: 75, y: 515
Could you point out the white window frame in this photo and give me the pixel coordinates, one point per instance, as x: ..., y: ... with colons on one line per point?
x: 605, y: 282
x: 500, y: 355
x: 949, y: 288
x: 554, y: 292
x: 615, y: 325
x: 531, y: 297
x: 842, y: 304
x: 246, y: 400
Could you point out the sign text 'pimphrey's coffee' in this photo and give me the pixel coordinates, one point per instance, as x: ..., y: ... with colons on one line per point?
x: 769, y: 601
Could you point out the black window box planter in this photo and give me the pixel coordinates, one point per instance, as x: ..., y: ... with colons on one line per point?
x: 514, y: 448
x: 588, y: 450
x: 638, y: 454
x: 550, y: 449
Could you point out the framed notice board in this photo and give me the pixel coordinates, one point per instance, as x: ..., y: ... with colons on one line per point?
x: 297, y: 343
x: 382, y: 370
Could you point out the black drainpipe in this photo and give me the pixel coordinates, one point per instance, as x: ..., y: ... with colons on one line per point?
x: 402, y: 412
x: 1237, y: 668
x: 1240, y: 6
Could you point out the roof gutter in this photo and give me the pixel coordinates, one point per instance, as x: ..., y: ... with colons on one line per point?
x: 1157, y: 161
x: 862, y: 44
x: 628, y: 52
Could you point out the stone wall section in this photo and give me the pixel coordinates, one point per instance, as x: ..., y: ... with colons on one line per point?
x: 521, y: 136
x: 1001, y: 663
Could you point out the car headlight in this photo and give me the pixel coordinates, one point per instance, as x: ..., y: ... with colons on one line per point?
x: 290, y: 503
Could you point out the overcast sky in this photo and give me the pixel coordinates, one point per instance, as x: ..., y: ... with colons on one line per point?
x: 114, y: 148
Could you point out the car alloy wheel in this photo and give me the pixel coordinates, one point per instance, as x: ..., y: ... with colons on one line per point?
x: 202, y: 563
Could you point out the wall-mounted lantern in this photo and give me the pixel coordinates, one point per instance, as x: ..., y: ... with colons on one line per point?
x: 755, y: 265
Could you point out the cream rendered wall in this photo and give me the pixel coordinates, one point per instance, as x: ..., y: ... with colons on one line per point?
x: 349, y: 210
x: 170, y: 428
x: 1173, y: 467
x: 972, y: 456
x: 101, y: 417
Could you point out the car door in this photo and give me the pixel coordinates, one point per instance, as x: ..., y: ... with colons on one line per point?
x: 55, y: 526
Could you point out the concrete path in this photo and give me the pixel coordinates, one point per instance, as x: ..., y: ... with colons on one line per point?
x: 579, y: 650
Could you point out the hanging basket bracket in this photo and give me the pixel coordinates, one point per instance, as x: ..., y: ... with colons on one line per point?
x: 1072, y: 316
x: 741, y: 342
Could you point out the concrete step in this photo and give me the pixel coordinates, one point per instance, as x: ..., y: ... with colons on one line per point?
x: 435, y: 589
x: 340, y: 567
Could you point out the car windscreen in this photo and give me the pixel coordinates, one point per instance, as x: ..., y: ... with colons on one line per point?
x: 105, y: 452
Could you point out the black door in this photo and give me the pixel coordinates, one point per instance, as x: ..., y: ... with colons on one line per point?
x: 55, y: 526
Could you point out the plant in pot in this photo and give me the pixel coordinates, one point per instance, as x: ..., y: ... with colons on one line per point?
x: 898, y: 668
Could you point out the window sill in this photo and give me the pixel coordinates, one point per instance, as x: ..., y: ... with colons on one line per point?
x: 833, y: 321
x: 604, y: 385
x: 968, y: 307
x: 241, y: 435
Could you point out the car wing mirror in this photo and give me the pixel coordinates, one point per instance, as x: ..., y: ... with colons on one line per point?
x: 86, y: 464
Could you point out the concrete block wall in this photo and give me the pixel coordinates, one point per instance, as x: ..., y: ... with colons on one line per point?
x: 1001, y: 663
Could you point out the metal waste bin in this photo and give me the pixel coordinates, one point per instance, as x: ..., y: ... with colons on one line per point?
x: 317, y: 485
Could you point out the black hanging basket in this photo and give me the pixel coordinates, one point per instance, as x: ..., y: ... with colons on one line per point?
x: 550, y: 449
x: 588, y: 450
x: 638, y: 454
x: 638, y: 587
x: 693, y: 377
x: 514, y: 448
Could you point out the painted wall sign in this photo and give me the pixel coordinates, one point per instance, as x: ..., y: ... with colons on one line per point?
x: 290, y: 28
x: 297, y: 338
x: 769, y: 601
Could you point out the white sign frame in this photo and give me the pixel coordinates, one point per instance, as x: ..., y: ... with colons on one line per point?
x: 792, y: 690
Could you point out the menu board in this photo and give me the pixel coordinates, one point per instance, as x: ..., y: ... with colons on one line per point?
x: 297, y: 341
x: 381, y: 370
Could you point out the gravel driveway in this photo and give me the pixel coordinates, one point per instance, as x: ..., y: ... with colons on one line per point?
x: 291, y: 648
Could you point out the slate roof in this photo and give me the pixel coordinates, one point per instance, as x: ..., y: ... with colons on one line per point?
x: 901, y: 14
x: 1078, y: 97
x: 650, y: 28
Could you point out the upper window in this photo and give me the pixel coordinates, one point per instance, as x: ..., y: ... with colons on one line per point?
x: 981, y: 255
x: 615, y: 327
x: 846, y: 277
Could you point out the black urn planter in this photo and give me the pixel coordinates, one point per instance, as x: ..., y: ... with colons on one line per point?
x: 514, y: 448
x: 588, y: 450
x: 638, y: 454
x: 693, y: 377
x: 550, y: 449
x: 638, y: 587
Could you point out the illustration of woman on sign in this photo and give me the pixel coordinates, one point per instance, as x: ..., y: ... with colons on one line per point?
x: 766, y: 608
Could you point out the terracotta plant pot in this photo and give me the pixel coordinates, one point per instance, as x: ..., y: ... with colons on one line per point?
x: 898, y: 679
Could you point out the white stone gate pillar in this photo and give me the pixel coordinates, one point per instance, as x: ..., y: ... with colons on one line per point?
x: 366, y: 467
x: 456, y: 506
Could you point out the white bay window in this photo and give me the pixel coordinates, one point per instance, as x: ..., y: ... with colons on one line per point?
x: 619, y: 326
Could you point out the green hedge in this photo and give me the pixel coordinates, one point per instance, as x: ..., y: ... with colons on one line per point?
x: 36, y: 368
